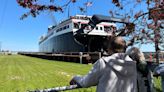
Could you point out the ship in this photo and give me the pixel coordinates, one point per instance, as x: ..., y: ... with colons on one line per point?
x: 63, y: 36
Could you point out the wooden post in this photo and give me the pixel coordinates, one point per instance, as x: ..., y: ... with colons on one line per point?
x: 81, y: 57
x: 99, y: 55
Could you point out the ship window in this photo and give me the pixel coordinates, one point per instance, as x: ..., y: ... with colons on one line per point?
x: 57, y: 30
x: 87, y: 28
x: 77, y: 17
x: 60, y: 29
x: 97, y: 28
x: 82, y: 25
x: 101, y: 28
x: 67, y: 26
x: 53, y: 27
x: 76, y: 25
x: 107, y: 28
x: 83, y: 18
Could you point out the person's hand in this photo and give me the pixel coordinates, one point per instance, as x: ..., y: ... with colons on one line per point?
x: 72, y: 82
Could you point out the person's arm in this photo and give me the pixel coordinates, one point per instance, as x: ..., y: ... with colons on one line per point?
x: 159, y: 70
x: 92, y: 78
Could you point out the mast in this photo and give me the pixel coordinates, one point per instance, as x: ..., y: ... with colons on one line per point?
x: 68, y: 12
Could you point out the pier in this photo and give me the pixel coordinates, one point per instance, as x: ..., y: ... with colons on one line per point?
x: 83, y: 57
x: 78, y: 57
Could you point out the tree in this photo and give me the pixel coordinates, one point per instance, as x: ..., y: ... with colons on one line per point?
x: 149, y: 22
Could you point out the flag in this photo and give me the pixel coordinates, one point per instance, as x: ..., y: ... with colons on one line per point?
x: 88, y: 4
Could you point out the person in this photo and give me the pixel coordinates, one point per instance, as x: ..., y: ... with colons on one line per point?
x: 113, y: 73
x: 144, y: 75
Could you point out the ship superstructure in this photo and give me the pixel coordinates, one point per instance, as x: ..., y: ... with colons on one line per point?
x: 60, y: 38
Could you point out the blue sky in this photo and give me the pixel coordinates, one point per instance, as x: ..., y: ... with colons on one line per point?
x: 23, y: 35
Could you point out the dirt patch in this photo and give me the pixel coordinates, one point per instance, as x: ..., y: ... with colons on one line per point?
x: 15, y: 78
x: 65, y: 74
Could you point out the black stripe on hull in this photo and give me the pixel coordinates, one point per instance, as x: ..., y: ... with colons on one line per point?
x: 61, y: 43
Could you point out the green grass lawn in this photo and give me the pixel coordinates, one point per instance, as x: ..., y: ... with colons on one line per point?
x: 21, y: 73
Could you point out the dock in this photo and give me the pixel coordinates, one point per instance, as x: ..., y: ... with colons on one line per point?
x: 78, y: 57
